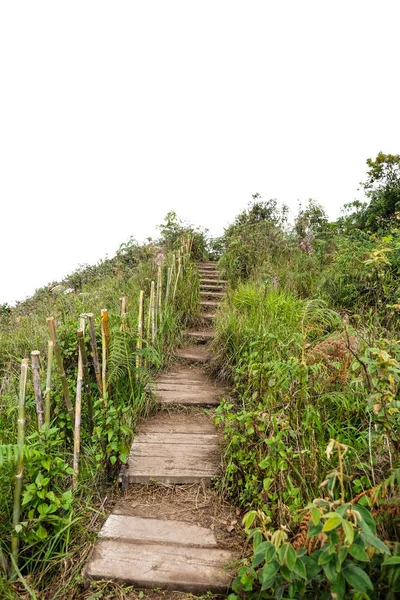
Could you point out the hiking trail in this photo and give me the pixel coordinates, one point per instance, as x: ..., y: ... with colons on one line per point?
x: 160, y: 536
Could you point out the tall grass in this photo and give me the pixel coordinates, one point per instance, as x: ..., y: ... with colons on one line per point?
x: 55, y: 528
x: 292, y: 369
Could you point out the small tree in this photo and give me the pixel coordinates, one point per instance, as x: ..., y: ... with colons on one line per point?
x: 382, y: 188
x: 311, y: 222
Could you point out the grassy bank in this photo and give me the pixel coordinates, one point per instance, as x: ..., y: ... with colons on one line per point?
x: 308, y: 337
x: 60, y: 507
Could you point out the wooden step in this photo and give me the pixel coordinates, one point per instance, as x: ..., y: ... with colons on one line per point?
x: 212, y: 287
x: 208, y: 316
x: 211, y: 294
x: 185, y: 449
x: 188, y: 387
x: 133, y: 528
x: 209, y: 303
x: 193, y: 353
x: 204, y: 335
x: 214, y: 275
x: 216, y: 282
x: 175, y: 567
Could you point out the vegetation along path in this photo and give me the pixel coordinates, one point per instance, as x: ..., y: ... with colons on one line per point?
x: 161, y: 544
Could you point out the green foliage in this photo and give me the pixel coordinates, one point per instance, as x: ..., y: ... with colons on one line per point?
x: 311, y: 224
x: 382, y: 188
x: 255, y: 234
x: 340, y: 557
x: 53, y: 523
x: 308, y: 375
x: 173, y: 230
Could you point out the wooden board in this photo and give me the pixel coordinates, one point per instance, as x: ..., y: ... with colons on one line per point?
x: 187, y: 398
x: 133, y: 528
x: 205, y: 334
x: 167, y: 423
x: 193, y: 354
x: 209, y: 303
x: 178, y: 438
x: 179, y: 568
x: 176, y: 448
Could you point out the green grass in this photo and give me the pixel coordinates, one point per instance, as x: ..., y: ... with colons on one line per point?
x: 56, y: 532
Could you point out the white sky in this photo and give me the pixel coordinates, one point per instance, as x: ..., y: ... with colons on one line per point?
x: 114, y: 113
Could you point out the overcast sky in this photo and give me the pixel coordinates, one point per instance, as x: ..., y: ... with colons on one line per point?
x: 114, y: 113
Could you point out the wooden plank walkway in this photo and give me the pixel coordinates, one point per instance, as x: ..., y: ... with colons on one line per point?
x: 173, y: 447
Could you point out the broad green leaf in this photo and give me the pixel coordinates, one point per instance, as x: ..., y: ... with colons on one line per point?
x: 300, y: 569
x: 257, y: 539
x: 365, y: 519
x: 287, y: 555
x: 315, y: 515
x: 330, y: 572
x: 249, y: 519
x: 279, y: 593
x: 341, y: 556
x: 332, y: 523
x: 324, y: 558
x: 348, y: 529
x: 376, y: 542
x: 312, y: 567
x: 339, y: 588
x: 391, y: 560
x: 43, y: 509
x: 247, y: 582
x: 270, y: 553
x: 258, y: 559
x: 357, y: 578
x: 41, y: 533
x: 358, y: 553
x: 113, y: 460
x: 26, y: 498
x: 268, y: 573
x: 286, y: 573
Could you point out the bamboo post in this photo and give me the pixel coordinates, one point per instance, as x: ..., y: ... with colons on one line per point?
x: 20, y: 462
x: 61, y: 372
x: 78, y: 405
x: 159, y: 294
x: 139, y: 342
x: 177, y: 278
x: 169, y: 275
x: 123, y: 312
x: 105, y: 340
x: 95, y: 355
x: 37, y: 386
x: 153, y: 313
x: 50, y: 347
x: 86, y: 378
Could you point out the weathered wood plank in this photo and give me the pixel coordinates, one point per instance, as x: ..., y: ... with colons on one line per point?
x: 172, y: 469
x: 133, y: 528
x: 171, y: 567
x: 201, y: 398
x: 168, y: 424
x: 176, y: 451
x: 194, y: 354
x: 178, y: 438
x: 205, y: 334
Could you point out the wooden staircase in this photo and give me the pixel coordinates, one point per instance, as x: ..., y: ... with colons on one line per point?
x: 177, y: 446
